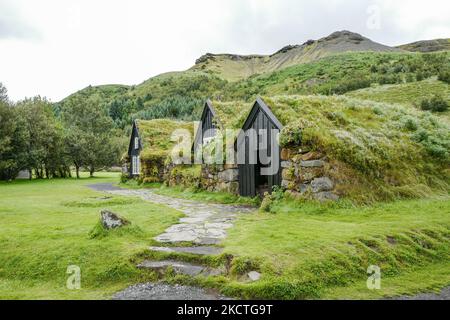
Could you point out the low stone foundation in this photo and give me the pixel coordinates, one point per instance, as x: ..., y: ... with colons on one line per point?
x: 220, y: 178
x: 304, y: 173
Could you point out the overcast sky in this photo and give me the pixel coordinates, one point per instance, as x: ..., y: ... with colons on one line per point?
x: 56, y: 47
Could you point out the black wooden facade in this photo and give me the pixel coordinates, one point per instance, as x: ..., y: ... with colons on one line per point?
x: 208, y: 125
x: 251, y: 181
x: 134, y: 150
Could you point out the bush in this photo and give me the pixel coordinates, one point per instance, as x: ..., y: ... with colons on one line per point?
x: 444, y: 75
x: 435, y: 104
x: 291, y: 135
x: 410, y: 124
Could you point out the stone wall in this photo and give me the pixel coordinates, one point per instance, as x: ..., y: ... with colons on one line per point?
x: 304, y: 173
x: 187, y: 176
x: 220, y: 178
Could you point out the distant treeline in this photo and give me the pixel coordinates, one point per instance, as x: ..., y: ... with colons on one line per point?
x: 48, y: 142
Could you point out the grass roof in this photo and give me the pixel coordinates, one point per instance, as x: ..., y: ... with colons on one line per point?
x: 392, y: 144
x: 232, y: 114
x: 156, y: 135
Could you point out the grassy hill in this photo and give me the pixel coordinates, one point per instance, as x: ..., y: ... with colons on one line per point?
x: 341, y: 63
x: 427, y: 45
x: 180, y: 95
x: 408, y: 94
x: 237, y: 67
x: 342, y: 73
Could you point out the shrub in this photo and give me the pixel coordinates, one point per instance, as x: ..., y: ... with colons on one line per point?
x: 291, y: 135
x: 410, y: 124
x: 266, y: 203
x: 435, y: 104
x: 444, y: 75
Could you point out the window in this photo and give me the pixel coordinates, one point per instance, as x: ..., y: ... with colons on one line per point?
x: 135, y: 165
x: 136, y: 143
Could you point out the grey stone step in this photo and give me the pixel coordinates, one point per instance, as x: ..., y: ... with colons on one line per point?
x: 201, y: 250
x: 178, y: 267
x: 159, y: 291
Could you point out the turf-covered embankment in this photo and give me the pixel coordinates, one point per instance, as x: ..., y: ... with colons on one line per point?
x: 377, y: 151
x: 307, y: 250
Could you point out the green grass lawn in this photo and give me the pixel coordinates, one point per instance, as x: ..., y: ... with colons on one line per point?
x: 303, y: 249
x: 45, y: 227
x: 308, y: 250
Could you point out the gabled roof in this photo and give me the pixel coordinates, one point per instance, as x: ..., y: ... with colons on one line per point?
x: 155, y: 135
x: 262, y: 106
x: 207, y: 107
x: 259, y: 105
x: 228, y: 115
x: 133, y: 130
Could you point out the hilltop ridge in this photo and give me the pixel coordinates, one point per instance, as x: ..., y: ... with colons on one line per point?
x: 233, y: 67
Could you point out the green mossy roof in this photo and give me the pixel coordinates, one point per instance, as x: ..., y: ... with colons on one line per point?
x: 156, y: 135
x: 231, y: 114
x: 400, y: 144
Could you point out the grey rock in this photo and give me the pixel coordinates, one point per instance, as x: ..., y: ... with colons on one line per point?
x: 111, y: 220
x: 312, y: 163
x: 285, y: 183
x: 199, y: 250
x: 254, y: 275
x: 326, y: 196
x: 178, y: 267
x: 444, y: 294
x: 207, y: 241
x: 153, y: 291
x: 229, y: 175
x: 286, y: 164
x: 322, y: 184
x: 303, y: 188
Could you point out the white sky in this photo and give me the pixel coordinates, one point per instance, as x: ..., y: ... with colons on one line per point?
x: 56, y: 47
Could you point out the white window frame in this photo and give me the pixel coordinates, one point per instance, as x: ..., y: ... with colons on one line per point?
x: 136, y: 165
x: 136, y: 143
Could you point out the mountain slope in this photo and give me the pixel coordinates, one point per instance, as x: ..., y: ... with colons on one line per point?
x: 427, y: 45
x: 408, y: 94
x: 237, y: 67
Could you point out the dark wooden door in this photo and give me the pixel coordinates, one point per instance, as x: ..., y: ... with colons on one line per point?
x: 247, y: 174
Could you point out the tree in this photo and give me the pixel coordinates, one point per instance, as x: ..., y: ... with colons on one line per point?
x: 13, y: 139
x: 45, y: 148
x: 3, y: 93
x: 90, y: 135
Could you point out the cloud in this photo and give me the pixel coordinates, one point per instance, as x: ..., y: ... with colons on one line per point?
x: 12, y: 26
x: 83, y: 42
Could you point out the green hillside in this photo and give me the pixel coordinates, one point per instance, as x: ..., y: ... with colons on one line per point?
x: 237, y: 67
x: 176, y: 95
x: 409, y: 94
x: 427, y: 45
x: 343, y: 73
x: 180, y: 95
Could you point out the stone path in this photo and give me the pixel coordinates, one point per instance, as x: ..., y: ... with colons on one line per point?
x: 152, y: 291
x: 205, y: 225
x: 443, y: 295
